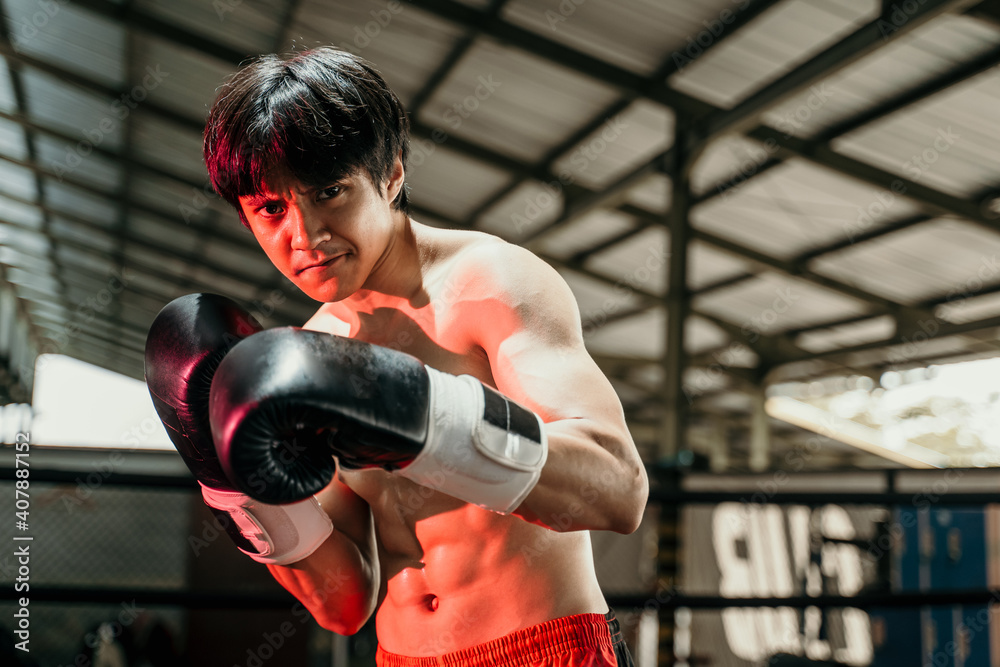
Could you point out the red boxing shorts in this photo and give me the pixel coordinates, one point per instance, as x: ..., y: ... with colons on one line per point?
x: 584, y: 640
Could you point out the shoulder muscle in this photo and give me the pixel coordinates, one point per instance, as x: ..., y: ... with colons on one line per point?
x: 520, y: 294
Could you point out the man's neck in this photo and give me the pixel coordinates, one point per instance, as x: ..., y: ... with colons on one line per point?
x: 397, y: 277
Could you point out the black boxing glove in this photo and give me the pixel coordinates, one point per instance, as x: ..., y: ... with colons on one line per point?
x: 284, y: 402
x: 186, y: 342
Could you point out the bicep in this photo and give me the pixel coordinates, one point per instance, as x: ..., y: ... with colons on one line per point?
x: 557, y: 379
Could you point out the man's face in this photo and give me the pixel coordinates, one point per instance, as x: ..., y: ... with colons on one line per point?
x: 327, y: 240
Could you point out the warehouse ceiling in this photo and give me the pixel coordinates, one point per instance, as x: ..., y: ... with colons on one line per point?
x: 827, y: 167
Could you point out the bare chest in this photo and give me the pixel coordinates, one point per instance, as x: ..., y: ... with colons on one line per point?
x: 440, y: 333
x: 434, y: 336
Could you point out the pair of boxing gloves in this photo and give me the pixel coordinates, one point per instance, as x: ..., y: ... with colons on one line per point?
x: 262, y: 418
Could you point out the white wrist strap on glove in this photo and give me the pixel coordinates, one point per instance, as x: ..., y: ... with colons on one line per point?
x: 481, y: 447
x: 281, y: 534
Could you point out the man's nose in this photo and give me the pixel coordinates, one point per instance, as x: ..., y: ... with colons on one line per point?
x: 307, y: 229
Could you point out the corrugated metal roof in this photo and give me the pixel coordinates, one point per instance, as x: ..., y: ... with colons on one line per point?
x: 454, y: 184
x: 7, y: 101
x: 167, y: 145
x: 641, y: 336
x: 79, y: 203
x: 17, y: 181
x: 782, y: 38
x: 796, y: 207
x: 592, y: 229
x: 175, y: 77
x: 847, y: 335
x: 623, y: 142
x: 945, y: 259
x: 12, y: 140
x: 933, y: 49
x: 635, y: 34
x: 708, y: 265
x: 75, y: 111
x: 638, y: 262
x: 69, y: 36
x: 525, y: 209
x: 948, y: 141
x: 487, y: 96
x: 24, y: 240
x: 653, y: 194
x: 243, y: 24
x: 406, y: 45
x: 728, y: 161
x: 78, y: 163
x: 149, y: 229
x: 22, y: 215
x: 597, y: 300
x: 770, y: 303
x: 66, y: 230
x: 970, y: 309
x: 93, y: 263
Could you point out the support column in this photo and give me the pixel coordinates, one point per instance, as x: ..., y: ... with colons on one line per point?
x: 677, y: 302
x: 719, y: 446
x: 760, y: 432
x: 675, y: 401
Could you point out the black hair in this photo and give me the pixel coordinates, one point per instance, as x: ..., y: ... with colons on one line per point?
x: 322, y: 114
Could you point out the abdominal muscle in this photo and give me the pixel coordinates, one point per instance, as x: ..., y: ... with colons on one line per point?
x: 455, y: 575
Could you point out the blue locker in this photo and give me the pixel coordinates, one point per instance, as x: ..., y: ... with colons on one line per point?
x: 906, y: 550
x: 974, y: 632
x: 936, y: 548
x: 959, y: 558
x: 894, y: 637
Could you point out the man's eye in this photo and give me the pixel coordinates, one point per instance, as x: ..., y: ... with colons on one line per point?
x: 330, y: 192
x: 271, y: 209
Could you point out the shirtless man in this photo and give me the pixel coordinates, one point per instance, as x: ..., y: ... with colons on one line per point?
x: 311, y: 151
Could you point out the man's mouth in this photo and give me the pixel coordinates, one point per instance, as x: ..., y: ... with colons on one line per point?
x: 323, y: 265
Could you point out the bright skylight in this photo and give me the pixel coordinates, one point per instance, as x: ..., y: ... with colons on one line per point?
x: 942, y: 416
x: 77, y: 404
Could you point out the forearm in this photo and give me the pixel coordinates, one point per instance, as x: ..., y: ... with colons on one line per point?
x: 337, y: 583
x: 592, y: 480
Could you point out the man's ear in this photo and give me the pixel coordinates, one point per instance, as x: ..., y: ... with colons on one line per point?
x: 396, y: 177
